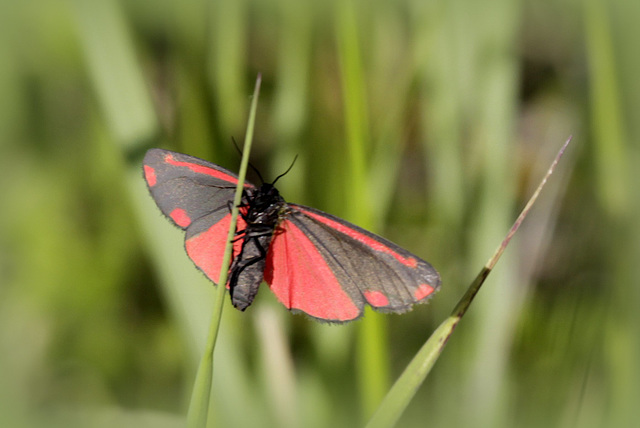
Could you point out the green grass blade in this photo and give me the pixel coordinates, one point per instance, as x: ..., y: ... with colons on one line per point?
x: 416, y: 372
x: 606, y: 114
x: 115, y: 72
x: 198, y: 408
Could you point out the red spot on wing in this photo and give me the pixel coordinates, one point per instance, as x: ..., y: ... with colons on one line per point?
x: 367, y: 240
x: 376, y: 298
x: 150, y: 175
x: 200, y: 169
x: 207, y: 248
x: 301, y: 279
x: 181, y: 217
x: 423, y: 291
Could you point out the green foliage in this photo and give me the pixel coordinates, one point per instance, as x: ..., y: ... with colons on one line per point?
x: 429, y: 122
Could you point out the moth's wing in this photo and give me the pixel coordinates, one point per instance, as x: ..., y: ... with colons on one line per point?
x: 329, y: 269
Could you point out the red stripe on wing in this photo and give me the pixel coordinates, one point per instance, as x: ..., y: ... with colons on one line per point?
x: 301, y: 279
x: 200, y: 169
x: 150, y: 175
x: 180, y: 217
x: 367, y: 240
x: 376, y: 299
x: 207, y: 248
x: 423, y: 291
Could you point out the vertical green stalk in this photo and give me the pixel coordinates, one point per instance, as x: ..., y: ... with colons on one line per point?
x: 606, y: 114
x: 373, y: 377
x: 198, y: 416
x: 607, y: 92
x: 228, y: 60
x: 439, y: 62
x: 493, y: 125
x: 115, y: 73
x: 625, y: 16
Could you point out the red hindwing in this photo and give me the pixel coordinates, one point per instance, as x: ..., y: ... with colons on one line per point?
x: 328, y: 268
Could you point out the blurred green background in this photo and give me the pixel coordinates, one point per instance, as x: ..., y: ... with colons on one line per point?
x: 427, y: 121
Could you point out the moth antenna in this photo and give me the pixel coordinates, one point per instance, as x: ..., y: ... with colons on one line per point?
x: 250, y: 164
x: 235, y: 144
x: 288, y: 169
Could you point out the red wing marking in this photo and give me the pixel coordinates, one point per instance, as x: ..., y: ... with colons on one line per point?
x: 368, y: 241
x: 180, y: 217
x: 423, y: 291
x: 207, y: 248
x: 301, y: 279
x: 150, y: 175
x: 376, y: 298
x: 200, y: 169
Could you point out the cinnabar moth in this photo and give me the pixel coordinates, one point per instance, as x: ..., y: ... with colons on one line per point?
x: 314, y: 262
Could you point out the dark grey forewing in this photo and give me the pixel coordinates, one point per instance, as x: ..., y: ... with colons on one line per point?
x: 186, y: 188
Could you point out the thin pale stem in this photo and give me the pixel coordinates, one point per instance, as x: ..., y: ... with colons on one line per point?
x: 198, y: 415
